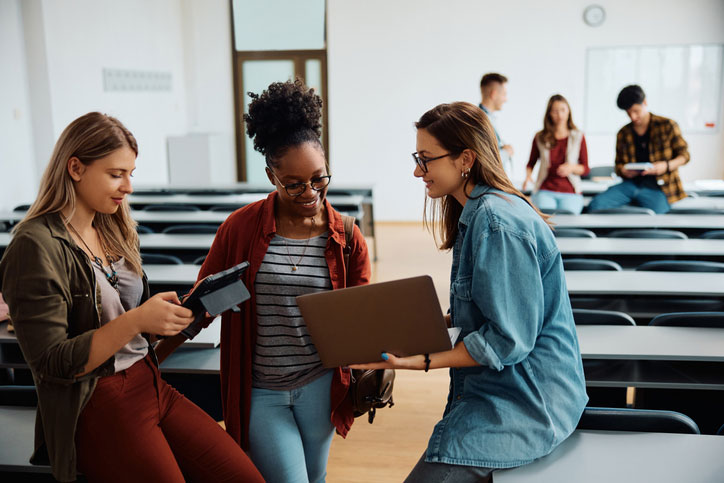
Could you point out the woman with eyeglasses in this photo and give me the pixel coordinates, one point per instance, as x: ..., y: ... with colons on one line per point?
x: 517, y: 387
x: 561, y: 149
x: 280, y: 404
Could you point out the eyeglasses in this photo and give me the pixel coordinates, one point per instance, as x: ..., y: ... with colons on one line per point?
x: 318, y: 183
x: 422, y: 162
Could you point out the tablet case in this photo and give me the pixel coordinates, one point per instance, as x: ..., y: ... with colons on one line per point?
x: 215, y: 294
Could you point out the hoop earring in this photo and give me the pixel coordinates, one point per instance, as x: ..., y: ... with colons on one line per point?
x: 465, y: 174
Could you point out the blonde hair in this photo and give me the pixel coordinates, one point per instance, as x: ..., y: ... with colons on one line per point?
x: 88, y: 138
x: 459, y: 126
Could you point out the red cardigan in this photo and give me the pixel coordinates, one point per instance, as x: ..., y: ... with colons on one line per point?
x: 246, y: 235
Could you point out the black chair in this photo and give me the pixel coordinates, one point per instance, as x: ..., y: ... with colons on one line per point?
x: 642, y: 420
x: 696, y: 211
x: 200, y: 260
x: 573, y: 233
x: 170, y: 207
x: 13, y: 395
x: 191, y: 229
x: 681, y: 266
x: 600, y: 172
x: 590, y: 264
x: 720, y: 431
x: 21, y: 208
x: 713, y: 235
x: 225, y: 208
x: 625, y: 210
x: 690, y: 319
x: 141, y: 229
x: 556, y: 211
x: 160, y: 259
x: 601, y: 317
x: 646, y: 233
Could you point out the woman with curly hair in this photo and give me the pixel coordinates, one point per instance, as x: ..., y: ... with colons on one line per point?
x: 561, y: 149
x: 280, y: 403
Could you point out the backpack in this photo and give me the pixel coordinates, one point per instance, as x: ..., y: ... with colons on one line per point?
x: 369, y: 388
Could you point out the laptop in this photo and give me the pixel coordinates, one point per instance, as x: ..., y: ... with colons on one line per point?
x: 356, y: 324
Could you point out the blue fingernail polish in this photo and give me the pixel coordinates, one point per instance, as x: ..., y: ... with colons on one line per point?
x: 385, y: 356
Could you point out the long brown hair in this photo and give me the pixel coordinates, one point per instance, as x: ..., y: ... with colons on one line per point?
x: 88, y: 138
x: 548, y: 134
x: 459, y: 126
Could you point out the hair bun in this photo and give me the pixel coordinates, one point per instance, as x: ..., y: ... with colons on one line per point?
x: 280, y: 113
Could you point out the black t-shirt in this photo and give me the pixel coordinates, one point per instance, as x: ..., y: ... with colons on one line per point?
x: 641, y: 143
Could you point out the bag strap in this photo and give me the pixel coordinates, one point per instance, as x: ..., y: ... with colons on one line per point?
x: 348, y: 222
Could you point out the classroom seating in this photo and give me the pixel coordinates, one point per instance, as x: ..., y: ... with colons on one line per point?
x: 573, y: 233
x: 170, y: 207
x: 681, y: 266
x: 191, y: 229
x: 225, y: 208
x: 21, y: 208
x: 590, y: 264
x: 556, y: 211
x: 160, y: 259
x: 200, y: 260
x: 696, y: 211
x: 142, y: 229
x: 601, y: 317
x: 713, y: 235
x: 641, y: 420
x: 625, y: 210
x: 14, y: 395
x: 689, y: 319
x: 647, y: 233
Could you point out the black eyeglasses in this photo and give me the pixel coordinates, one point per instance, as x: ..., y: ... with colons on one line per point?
x: 318, y: 183
x: 422, y: 162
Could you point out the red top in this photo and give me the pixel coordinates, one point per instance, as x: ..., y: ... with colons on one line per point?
x: 245, y: 235
x: 554, y: 182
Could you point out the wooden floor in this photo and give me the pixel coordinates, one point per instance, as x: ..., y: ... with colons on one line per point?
x: 386, y: 450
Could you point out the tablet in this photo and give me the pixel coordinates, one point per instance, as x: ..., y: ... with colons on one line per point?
x: 638, y: 166
x: 356, y: 324
x: 215, y: 294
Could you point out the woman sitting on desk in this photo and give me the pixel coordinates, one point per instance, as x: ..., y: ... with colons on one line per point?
x: 280, y: 403
x: 561, y: 148
x: 517, y: 388
x: 80, y: 303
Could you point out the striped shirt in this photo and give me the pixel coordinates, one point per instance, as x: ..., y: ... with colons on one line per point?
x: 285, y: 357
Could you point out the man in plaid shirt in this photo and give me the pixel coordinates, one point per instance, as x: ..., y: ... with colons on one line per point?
x: 647, y: 139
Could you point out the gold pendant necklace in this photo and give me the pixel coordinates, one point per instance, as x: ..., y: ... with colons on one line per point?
x: 295, y: 266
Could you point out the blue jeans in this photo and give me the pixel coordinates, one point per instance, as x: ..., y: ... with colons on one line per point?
x: 290, y: 432
x: 646, y: 194
x: 553, y: 200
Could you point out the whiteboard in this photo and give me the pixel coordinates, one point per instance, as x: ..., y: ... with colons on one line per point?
x: 681, y: 82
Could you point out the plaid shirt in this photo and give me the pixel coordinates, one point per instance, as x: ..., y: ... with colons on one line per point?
x: 665, y: 144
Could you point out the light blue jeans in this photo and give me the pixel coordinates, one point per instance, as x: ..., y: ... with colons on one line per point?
x: 290, y: 432
x: 553, y: 200
x: 646, y: 193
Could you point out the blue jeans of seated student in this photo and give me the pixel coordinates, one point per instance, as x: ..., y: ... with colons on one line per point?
x: 644, y: 193
x: 290, y: 432
x: 553, y: 200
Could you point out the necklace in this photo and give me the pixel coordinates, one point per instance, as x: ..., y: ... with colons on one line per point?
x: 295, y: 266
x: 111, y: 276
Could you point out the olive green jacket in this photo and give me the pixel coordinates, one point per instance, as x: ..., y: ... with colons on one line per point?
x: 50, y: 287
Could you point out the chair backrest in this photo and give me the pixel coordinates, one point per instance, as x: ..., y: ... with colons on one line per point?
x: 696, y: 211
x: 21, y: 208
x: 626, y: 209
x: 143, y: 229
x: 689, y: 319
x: 713, y: 235
x: 171, y: 207
x: 225, y: 208
x: 590, y: 264
x: 643, y: 420
x: 573, y: 233
x: 160, y: 259
x: 601, y: 317
x: 681, y: 266
x: 191, y: 229
x: 13, y: 395
x: 556, y: 211
x: 647, y: 233
x: 200, y: 260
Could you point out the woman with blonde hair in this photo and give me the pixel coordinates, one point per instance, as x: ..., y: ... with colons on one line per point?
x: 80, y: 303
x: 561, y: 149
x: 516, y: 381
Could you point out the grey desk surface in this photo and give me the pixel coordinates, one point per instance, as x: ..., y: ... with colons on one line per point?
x: 651, y: 343
x: 669, y: 221
x: 640, y: 246
x: 628, y: 283
x: 626, y: 457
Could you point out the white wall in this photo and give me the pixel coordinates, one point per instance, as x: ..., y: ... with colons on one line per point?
x: 391, y: 61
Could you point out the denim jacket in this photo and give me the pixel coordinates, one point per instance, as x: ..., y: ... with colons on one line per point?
x: 508, y: 295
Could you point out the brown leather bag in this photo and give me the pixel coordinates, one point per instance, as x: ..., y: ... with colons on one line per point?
x: 369, y: 389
